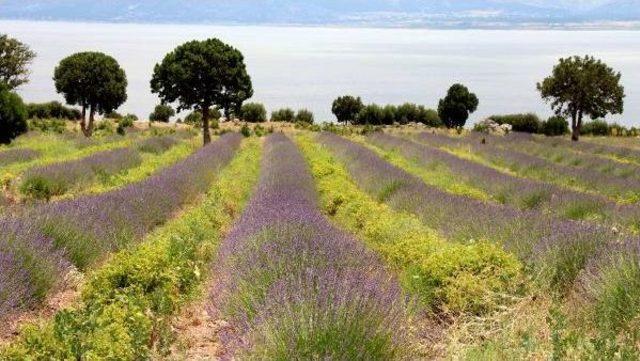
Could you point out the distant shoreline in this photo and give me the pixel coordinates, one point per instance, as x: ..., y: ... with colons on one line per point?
x: 505, y: 26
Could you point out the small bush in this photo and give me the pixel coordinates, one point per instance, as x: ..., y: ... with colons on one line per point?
x: 113, y: 115
x: 51, y: 110
x: 13, y: 116
x: 370, y: 114
x: 526, y: 123
x: 52, y: 125
x: 283, y: 115
x: 162, y: 113
x: 595, y: 128
x: 555, y: 126
x: 245, y: 130
x: 304, y: 116
x: 254, y: 113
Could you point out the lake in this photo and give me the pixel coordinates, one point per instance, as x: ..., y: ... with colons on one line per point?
x: 308, y: 67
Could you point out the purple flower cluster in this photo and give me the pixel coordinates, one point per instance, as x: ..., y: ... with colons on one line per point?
x: 523, y: 162
x: 60, y: 177
x: 157, y: 145
x: 522, y: 192
x: 17, y: 155
x: 86, y: 228
x: 560, y: 247
x: 287, y: 278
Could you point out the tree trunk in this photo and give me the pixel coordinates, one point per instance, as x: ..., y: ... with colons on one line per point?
x: 88, y: 129
x: 83, y: 122
x: 576, y: 126
x: 206, y: 132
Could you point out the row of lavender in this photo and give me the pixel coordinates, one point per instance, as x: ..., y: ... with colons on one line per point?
x: 520, y: 192
x: 38, y: 248
x: 562, y: 251
x: 17, y: 155
x: 293, y: 286
x: 558, y: 151
x: 57, y: 178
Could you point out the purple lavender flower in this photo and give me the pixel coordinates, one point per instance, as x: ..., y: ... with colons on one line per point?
x: 18, y: 155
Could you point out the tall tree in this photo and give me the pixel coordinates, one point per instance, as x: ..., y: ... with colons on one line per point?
x: 201, y: 75
x: 454, y: 109
x: 580, y: 86
x: 15, y: 58
x: 13, y: 115
x: 347, y: 108
x: 94, y: 81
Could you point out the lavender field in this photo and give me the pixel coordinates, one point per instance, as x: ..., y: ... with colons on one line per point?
x: 303, y: 244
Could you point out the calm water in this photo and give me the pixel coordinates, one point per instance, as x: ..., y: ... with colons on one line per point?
x: 309, y: 67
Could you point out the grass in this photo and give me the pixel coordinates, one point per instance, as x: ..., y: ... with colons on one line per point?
x: 126, y: 307
x: 449, y: 278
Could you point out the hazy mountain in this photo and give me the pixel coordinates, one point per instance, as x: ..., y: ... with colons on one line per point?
x: 410, y: 13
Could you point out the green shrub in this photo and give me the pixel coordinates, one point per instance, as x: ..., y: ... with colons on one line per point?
x: 283, y: 115
x: 253, y: 113
x: 194, y: 118
x: 41, y: 188
x: 555, y: 126
x: 526, y: 123
x: 304, y: 116
x: 53, y: 110
x: 428, y: 117
x: 370, y: 114
x: 13, y: 116
x: 595, y: 128
x: 162, y: 113
x: 245, y: 130
x: 52, y: 125
x: 114, y: 115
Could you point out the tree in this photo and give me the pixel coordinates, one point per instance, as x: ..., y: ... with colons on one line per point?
x: 304, y: 116
x: 371, y: 114
x: 555, y: 126
x: 283, y: 115
x: 254, y: 113
x: 581, y: 87
x: 455, y: 108
x: 94, y: 81
x: 13, y: 115
x: 162, y: 113
x: 347, y: 108
x: 203, y: 74
x: 15, y: 58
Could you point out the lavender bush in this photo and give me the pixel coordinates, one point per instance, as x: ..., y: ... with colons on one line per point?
x: 85, y: 229
x: 17, y: 156
x: 295, y: 287
x: 57, y: 178
x: 157, y: 145
x: 624, y: 189
x: 558, y: 248
x: 521, y: 192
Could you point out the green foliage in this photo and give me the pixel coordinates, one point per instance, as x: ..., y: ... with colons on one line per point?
x: 201, y: 75
x: 113, y: 115
x: 15, y: 57
x: 347, y: 108
x: 48, y: 125
x: 13, y: 115
x: 91, y: 80
x: 194, y: 118
x: 583, y: 86
x: 370, y: 114
x: 449, y: 278
x: 51, y: 110
x: 526, y: 123
x: 595, y: 127
x: 245, y: 130
x: 253, y: 113
x: 162, y: 113
x: 555, y: 126
x: 455, y: 107
x: 304, y: 116
x: 283, y: 115
x: 41, y: 188
x: 128, y: 304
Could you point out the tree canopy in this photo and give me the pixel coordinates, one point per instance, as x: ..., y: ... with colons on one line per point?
x: 203, y: 74
x: 162, y: 113
x: 455, y: 107
x: 13, y: 115
x: 583, y: 86
x: 347, y: 108
x: 15, y: 57
x: 94, y: 81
